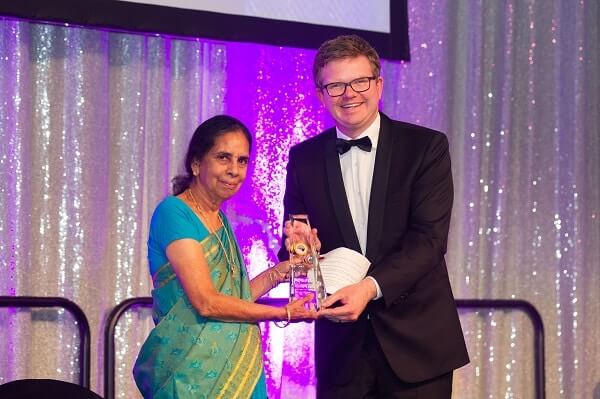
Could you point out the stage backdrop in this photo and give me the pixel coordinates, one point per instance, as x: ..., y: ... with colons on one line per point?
x: 93, y: 125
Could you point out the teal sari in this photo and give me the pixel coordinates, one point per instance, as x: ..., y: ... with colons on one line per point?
x: 190, y: 356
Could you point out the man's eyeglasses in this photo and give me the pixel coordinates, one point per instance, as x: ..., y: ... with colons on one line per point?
x: 359, y: 85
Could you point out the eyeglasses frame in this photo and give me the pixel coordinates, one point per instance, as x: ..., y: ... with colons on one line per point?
x: 349, y: 84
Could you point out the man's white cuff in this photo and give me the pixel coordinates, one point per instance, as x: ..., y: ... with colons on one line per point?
x: 379, y: 294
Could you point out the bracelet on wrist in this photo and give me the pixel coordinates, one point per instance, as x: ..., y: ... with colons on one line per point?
x: 272, y: 281
x: 283, y: 324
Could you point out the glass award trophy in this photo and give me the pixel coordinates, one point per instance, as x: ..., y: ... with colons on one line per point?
x: 305, y: 273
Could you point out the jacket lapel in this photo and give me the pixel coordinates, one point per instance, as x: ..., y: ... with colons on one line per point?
x: 338, y: 194
x: 379, y: 188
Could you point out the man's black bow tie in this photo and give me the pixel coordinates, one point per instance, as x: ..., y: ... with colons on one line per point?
x: 343, y: 146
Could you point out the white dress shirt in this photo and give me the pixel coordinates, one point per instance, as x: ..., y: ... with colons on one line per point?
x: 357, y: 172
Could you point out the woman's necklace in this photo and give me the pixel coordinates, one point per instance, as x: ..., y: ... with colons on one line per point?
x: 204, y: 219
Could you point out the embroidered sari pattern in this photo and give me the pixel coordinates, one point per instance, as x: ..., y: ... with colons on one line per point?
x: 190, y: 356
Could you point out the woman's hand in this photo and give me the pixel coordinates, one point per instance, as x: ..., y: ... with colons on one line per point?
x: 298, y: 311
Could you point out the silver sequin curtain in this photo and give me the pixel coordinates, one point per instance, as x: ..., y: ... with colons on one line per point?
x: 516, y: 84
x: 92, y: 123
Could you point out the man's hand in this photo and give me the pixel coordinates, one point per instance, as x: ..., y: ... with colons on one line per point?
x: 353, y: 299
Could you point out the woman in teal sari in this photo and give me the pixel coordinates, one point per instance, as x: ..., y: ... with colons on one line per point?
x: 206, y: 342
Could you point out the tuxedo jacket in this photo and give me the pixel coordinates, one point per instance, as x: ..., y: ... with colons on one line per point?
x: 416, y: 321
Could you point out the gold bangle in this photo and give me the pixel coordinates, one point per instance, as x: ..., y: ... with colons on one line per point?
x: 271, y: 279
x: 289, y: 318
x: 274, y: 277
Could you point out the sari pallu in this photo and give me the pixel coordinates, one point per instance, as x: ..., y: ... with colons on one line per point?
x: 190, y: 356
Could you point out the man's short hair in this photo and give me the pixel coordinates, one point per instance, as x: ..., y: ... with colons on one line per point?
x: 346, y: 46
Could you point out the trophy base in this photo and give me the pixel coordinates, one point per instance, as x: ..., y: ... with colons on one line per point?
x: 301, y: 287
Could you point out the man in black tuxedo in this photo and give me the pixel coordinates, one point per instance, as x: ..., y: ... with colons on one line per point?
x: 383, y: 188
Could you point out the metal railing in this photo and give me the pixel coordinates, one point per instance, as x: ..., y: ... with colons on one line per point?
x: 109, y: 340
x: 471, y: 304
x: 71, y: 307
x: 538, y: 331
